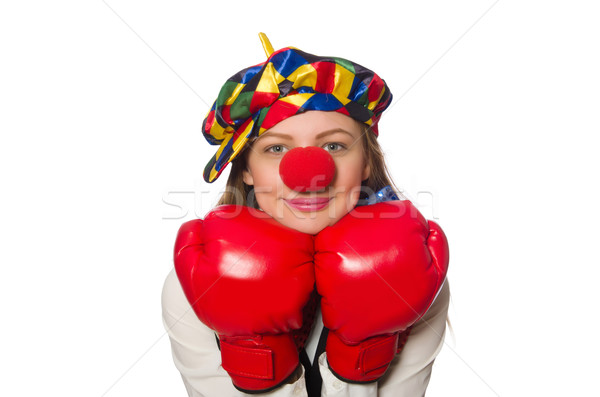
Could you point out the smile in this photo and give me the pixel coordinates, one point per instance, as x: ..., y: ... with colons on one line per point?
x: 308, y: 204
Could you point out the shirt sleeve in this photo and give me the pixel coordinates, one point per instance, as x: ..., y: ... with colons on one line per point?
x: 196, y: 354
x: 409, y: 372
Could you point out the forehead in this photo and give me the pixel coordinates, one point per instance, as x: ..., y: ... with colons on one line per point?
x: 312, y: 123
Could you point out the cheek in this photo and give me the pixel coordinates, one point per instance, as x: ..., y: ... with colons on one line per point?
x: 347, y: 189
x: 263, y: 172
x: 349, y: 174
x: 266, y: 182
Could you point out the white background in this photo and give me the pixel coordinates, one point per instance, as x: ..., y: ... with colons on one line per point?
x: 101, y: 103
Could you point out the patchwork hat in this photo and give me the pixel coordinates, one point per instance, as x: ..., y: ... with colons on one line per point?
x: 289, y: 82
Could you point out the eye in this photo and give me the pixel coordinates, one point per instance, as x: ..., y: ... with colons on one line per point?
x: 334, y: 147
x: 276, y: 149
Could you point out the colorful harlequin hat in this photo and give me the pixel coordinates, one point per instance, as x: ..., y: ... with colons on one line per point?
x: 289, y: 82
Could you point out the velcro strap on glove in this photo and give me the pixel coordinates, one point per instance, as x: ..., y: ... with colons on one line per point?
x: 363, y: 362
x: 373, y: 356
x: 252, y: 362
x: 259, y: 363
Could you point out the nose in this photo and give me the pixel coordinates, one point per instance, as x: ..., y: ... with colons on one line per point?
x: 307, y: 169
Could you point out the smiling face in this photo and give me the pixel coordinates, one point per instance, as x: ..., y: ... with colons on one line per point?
x: 308, y: 212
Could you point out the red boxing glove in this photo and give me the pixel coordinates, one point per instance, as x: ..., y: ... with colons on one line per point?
x: 378, y: 270
x: 248, y: 278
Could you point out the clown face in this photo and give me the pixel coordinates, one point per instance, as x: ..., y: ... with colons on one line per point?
x: 308, y: 211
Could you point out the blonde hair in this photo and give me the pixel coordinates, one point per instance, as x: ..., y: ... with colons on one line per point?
x: 237, y: 192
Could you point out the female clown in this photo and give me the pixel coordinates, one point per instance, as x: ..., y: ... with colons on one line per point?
x: 311, y: 277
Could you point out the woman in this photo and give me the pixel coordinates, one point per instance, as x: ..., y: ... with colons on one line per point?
x: 288, y: 249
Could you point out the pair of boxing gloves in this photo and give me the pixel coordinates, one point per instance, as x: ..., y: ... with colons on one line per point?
x: 247, y: 277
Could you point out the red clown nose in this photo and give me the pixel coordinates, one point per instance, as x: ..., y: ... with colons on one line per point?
x: 307, y: 169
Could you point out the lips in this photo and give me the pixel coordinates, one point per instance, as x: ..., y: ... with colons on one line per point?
x: 308, y: 204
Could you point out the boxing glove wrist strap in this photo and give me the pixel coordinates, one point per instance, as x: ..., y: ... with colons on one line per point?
x: 251, y: 362
x: 363, y: 362
x: 259, y: 363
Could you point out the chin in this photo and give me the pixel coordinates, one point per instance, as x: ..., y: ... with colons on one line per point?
x: 307, y: 222
x: 310, y: 228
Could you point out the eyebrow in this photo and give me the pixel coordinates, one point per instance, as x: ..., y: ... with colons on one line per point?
x: 275, y: 135
x: 333, y: 131
x: 319, y: 135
